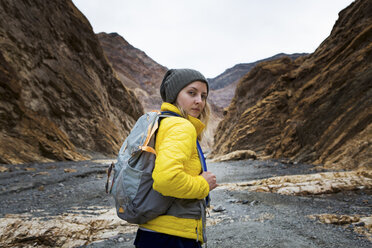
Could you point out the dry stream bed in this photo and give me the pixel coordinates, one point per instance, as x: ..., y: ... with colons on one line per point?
x: 258, y: 204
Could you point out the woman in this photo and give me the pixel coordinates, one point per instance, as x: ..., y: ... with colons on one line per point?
x: 178, y: 172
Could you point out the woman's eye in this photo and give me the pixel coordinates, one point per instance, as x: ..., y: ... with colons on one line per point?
x: 192, y: 93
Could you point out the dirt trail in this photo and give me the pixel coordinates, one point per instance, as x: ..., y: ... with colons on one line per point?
x: 64, y: 205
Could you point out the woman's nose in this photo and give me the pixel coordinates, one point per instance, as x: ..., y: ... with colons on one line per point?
x: 198, y: 99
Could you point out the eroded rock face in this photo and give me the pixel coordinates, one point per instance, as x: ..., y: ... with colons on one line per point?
x: 223, y: 86
x: 138, y: 71
x: 240, y: 131
x: 59, y: 97
x: 67, y: 230
x: 237, y: 155
x: 314, y: 109
x: 309, y: 184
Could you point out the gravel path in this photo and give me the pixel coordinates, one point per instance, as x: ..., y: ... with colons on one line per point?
x: 245, y: 219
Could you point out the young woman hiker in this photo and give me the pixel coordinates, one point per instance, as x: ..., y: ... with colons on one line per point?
x: 178, y: 168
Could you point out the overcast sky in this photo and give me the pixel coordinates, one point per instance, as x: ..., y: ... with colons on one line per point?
x: 214, y: 35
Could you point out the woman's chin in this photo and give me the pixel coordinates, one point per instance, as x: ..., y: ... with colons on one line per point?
x: 195, y: 115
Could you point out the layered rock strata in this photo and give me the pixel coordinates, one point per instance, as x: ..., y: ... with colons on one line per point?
x: 137, y: 70
x: 59, y: 97
x: 315, y: 109
x: 223, y: 86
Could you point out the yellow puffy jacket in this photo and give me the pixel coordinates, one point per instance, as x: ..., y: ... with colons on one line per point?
x: 177, y: 172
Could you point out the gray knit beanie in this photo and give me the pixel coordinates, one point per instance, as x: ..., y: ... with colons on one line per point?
x: 177, y: 79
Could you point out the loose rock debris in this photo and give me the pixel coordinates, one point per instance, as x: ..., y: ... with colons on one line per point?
x: 236, y: 155
x: 73, y: 229
x: 314, y: 184
x: 67, y: 230
x: 360, y: 224
x: 69, y: 170
x: 310, y: 184
x: 218, y: 208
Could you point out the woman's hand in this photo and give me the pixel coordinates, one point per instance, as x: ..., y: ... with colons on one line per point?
x: 211, y: 179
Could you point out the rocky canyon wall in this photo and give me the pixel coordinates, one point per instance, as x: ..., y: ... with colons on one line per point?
x: 223, y: 86
x: 137, y: 70
x: 59, y: 97
x: 315, y: 109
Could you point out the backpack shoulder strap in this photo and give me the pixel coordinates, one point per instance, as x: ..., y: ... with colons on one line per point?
x: 150, y: 132
x: 168, y: 114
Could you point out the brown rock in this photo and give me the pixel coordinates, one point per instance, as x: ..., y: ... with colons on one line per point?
x: 59, y: 97
x: 232, y: 133
x: 223, y: 86
x: 309, y: 184
x: 361, y: 224
x: 133, y: 67
x: 69, y: 170
x: 237, y: 155
x: 315, y: 109
x: 65, y: 230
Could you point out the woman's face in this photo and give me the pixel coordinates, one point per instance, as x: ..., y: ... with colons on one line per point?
x: 192, y: 98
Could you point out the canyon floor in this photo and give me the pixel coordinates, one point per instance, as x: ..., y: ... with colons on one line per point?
x: 258, y: 204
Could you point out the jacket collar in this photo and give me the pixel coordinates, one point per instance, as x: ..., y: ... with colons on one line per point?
x: 199, y: 126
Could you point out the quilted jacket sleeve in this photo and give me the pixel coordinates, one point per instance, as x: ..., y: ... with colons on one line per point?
x: 177, y: 142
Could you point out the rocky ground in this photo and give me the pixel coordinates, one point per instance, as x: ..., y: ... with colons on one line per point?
x: 64, y: 205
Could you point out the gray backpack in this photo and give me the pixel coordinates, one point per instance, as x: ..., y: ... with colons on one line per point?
x: 135, y: 200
